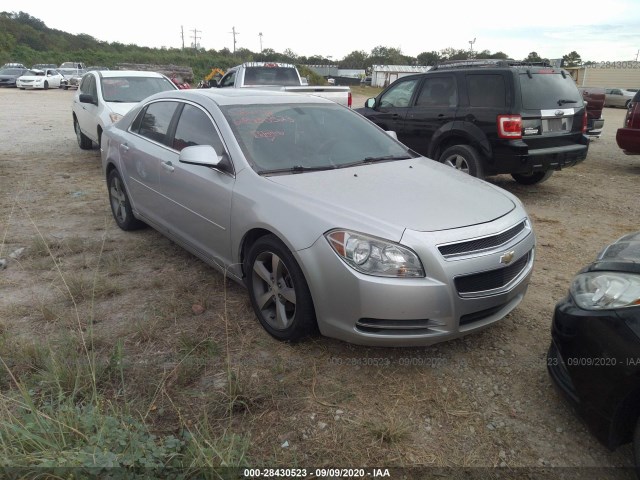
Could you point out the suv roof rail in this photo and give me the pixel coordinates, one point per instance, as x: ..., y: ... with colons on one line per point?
x: 487, y: 63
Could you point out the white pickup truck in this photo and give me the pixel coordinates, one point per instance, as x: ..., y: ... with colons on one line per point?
x: 281, y: 76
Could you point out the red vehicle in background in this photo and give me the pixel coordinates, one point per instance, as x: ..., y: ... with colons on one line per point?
x: 628, y: 137
x: 594, y: 97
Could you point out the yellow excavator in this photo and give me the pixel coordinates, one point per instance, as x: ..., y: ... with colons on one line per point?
x: 211, y: 79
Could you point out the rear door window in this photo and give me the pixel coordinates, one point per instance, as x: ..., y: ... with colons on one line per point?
x: 487, y: 91
x: 155, y: 120
x: 548, y: 90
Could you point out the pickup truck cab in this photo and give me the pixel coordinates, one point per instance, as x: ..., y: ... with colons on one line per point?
x: 280, y: 76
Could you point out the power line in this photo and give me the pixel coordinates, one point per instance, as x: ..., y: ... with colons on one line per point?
x: 233, y: 31
x: 196, y: 38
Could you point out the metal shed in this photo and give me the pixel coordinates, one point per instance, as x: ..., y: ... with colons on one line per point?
x: 600, y: 74
x: 383, y: 75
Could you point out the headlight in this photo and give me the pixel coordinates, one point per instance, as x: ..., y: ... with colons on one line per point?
x: 374, y: 256
x: 606, y: 290
x: 114, y: 117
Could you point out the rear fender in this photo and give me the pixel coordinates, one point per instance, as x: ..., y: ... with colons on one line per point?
x: 466, y: 132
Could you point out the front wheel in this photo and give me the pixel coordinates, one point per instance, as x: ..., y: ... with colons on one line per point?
x: 46, y: 85
x: 120, y: 205
x: 278, y: 290
x: 84, y: 142
x: 532, y: 178
x: 464, y: 158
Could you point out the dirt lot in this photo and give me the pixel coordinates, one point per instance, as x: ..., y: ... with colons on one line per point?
x: 194, y: 355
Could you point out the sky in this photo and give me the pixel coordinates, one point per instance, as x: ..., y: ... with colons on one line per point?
x: 598, y: 31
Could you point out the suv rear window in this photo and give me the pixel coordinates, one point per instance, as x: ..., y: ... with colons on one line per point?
x: 486, y: 90
x: 545, y: 90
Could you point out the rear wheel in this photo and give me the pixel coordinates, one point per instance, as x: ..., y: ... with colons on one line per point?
x: 120, y: 205
x: 464, y: 158
x: 278, y: 290
x: 84, y: 142
x: 532, y: 178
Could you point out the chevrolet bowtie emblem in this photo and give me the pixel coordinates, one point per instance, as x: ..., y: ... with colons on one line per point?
x: 507, y: 257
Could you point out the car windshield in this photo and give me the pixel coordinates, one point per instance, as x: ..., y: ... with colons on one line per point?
x: 547, y: 90
x: 292, y: 138
x: 11, y: 71
x: 133, y: 89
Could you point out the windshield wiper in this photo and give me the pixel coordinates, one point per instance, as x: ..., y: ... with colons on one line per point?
x: 563, y: 101
x: 375, y: 159
x: 298, y: 169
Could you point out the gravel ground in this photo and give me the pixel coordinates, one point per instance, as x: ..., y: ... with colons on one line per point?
x: 488, y: 401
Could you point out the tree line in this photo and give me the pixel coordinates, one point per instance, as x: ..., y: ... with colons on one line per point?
x: 28, y: 40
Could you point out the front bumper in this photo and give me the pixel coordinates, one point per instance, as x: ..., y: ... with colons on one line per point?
x: 368, y: 310
x: 591, y: 360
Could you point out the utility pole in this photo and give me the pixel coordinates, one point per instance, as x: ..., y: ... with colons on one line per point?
x: 182, y: 35
x: 260, y: 35
x: 636, y: 53
x: 471, y: 42
x: 195, y: 38
x: 233, y: 31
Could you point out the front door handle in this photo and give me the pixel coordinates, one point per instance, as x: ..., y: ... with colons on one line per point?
x: 168, y: 166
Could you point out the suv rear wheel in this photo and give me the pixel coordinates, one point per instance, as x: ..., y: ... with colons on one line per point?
x: 464, y: 158
x: 532, y: 178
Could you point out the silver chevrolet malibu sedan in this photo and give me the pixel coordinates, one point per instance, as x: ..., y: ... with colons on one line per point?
x: 330, y: 223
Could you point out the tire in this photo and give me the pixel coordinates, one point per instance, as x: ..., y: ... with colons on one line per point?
x: 636, y: 447
x: 46, y: 85
x: 21, y: 88
x: 120, y: 204
x: 464, y: 158
x: 278, y: 290
x: 65, y: 87
x: 84, y: 142
x: 532, y: 178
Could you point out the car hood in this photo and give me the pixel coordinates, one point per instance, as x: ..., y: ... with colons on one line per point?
x: 417, y: 194
x: 119, y: 107
x: 621, y: 255
x: 32, y: 77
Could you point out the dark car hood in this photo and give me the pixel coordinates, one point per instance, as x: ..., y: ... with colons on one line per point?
x: 622, y: 255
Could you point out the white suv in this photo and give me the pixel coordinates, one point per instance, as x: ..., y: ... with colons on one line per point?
x: 106, y: 96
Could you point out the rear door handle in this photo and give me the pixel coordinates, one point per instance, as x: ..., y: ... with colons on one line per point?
x: 168, y: 166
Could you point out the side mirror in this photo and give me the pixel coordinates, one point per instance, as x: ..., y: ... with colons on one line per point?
x: 86, y: 98
x: 204, y: 155
x: 370, y: 103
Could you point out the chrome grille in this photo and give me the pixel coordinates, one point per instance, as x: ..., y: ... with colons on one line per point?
x: 491, y: 279
x: 484, y: 243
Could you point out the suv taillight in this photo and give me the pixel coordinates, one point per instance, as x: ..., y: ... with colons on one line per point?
x: 632, y: 120
x: 585, y: 119
x: 510, y: 126
x: 349, y: 100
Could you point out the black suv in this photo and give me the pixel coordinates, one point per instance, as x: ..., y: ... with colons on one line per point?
x: 488, y: 117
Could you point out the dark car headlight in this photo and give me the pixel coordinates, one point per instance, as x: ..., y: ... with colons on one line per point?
x: 606, y: 290
x: 375, y: 256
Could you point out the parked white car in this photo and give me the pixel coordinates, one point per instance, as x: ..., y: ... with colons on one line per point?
x: 618, y: 97
x: 45, y: 79
x: 104, y: 96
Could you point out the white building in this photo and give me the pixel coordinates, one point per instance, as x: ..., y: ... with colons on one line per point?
x: 383, y: 75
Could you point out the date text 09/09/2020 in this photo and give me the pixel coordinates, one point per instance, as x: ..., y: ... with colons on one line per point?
x: 316, y: 472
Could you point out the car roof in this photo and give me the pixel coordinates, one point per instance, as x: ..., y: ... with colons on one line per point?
x: 241, y: 96
x: 128, y: 73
